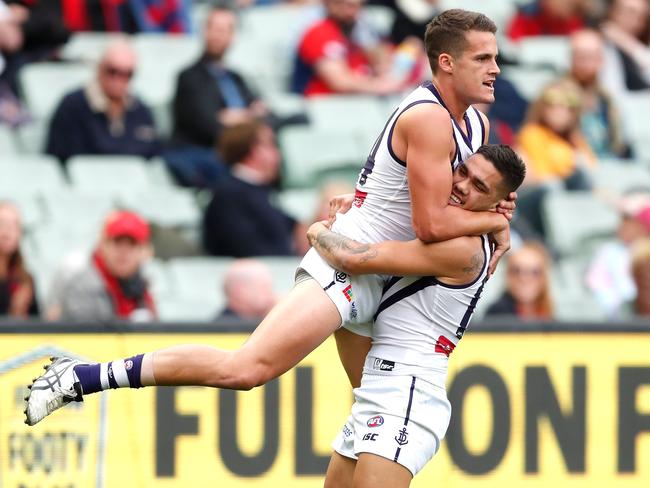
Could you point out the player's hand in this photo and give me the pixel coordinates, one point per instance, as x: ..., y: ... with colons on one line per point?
x: 507, y: 207
x: 315, y: 229
x: 340, y: 204
x: 501, y: 241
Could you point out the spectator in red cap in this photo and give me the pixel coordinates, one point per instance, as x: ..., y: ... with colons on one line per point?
x: 111, y: 286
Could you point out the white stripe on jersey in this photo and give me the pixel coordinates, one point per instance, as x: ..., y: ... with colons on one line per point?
x: 382, y: 210
x: 415, y: 312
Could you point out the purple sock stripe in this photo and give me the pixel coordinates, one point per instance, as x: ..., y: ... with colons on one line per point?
x: 134, y: 371
x: 112, y: 382
x: 88, y: 375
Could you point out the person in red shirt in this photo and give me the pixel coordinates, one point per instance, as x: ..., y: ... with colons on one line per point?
x: 547, y: 18
x: 330, y: 60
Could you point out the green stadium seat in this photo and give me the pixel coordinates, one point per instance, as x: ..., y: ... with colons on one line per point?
x: 500, y: 11
x: 87, y: 47
x: 198, y: 278
x: 8, y: 142
x: 31, y: 175
x: 529, y: 82
x: 356, y: 114
x: 283, y: 270
x: 546, y: 51
x: 300, y: 203
x: 44, y: 84
x: 380, y: 17
x: 64, y: 208
x: 575, y: 221
x: 109, y: 175
x: 309, y: 151
x: 617, y: 176
x: 167, y: 207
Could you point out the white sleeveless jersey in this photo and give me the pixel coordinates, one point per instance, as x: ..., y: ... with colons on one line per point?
x: 382, y: 205
x: 420, y: 319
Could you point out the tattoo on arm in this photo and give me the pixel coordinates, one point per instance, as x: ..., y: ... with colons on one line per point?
x: 476, y: 264
x: 335, y: 247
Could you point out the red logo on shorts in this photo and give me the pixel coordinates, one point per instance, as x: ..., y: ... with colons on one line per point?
x: 445, y: 346
x: 359, y: 198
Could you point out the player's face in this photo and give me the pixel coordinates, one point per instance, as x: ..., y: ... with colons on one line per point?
x: 476, y: 185
x: 476, y: 68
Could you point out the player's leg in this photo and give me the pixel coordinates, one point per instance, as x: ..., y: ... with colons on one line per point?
x: 373, y: 471
x: 340, y: 472
x: 296, y: 326
x: 352, y: 349
x: 291, y: 330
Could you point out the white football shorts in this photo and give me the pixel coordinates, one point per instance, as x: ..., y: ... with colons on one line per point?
x: 399, y: 417
x: 355, y: 297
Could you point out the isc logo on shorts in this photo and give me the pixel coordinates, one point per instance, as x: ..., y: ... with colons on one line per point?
x: 375, y: 421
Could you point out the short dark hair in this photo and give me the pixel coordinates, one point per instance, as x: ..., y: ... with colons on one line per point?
x: 507, y: 162
x: 446, y: 33
x: 237, y: 141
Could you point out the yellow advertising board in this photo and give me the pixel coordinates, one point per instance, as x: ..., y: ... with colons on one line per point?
x: 530, y: 410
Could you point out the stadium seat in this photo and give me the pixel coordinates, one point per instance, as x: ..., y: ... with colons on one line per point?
x: 575, y: 221
x: 500, y: 11
x: 44, y: 84
x: 32, y: 138
x: 198, y: 278
x: 159, y: 174
x: 347, y: 113
x: 157, y: 275
x: 308, y: 151
x: 86, y: 47
x: 167, y: 207
x: 30, y: 208
x: 300, y: 203
x: 545, y: 51
x: 636, y: 108
x: 31, y: 175
x: 529, y: 82
x: 72, y: 208
x: 617, y: 176
x: 184, y: 309
x: 380, y: 17
x: 109, y: 175
x: 283, y: 270
x: 8, y: 142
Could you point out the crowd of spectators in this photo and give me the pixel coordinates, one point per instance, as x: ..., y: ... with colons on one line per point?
x: 223, y: 137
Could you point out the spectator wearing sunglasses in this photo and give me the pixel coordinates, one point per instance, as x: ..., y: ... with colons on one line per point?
x: 104, y: 117
x: 528, y: 293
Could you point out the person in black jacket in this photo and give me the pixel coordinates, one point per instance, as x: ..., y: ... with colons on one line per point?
x: 209, y: 97
x: 240, y: 220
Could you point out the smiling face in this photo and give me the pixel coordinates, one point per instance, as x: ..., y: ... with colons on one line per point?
x: 475, y: 69
x: 477, y: 185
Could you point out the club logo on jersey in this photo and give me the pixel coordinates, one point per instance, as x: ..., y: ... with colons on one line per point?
x: 340, y: 277
x: 444, y: 346
x: 402, y: 437
x: 347, y: 292
x: 110, y: 370
x: 359, y: 198
x: 375, y: 421
x: 128, y: 364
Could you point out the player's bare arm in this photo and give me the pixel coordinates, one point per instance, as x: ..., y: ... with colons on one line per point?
x: 423, y: 138
x: 459, y: 259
